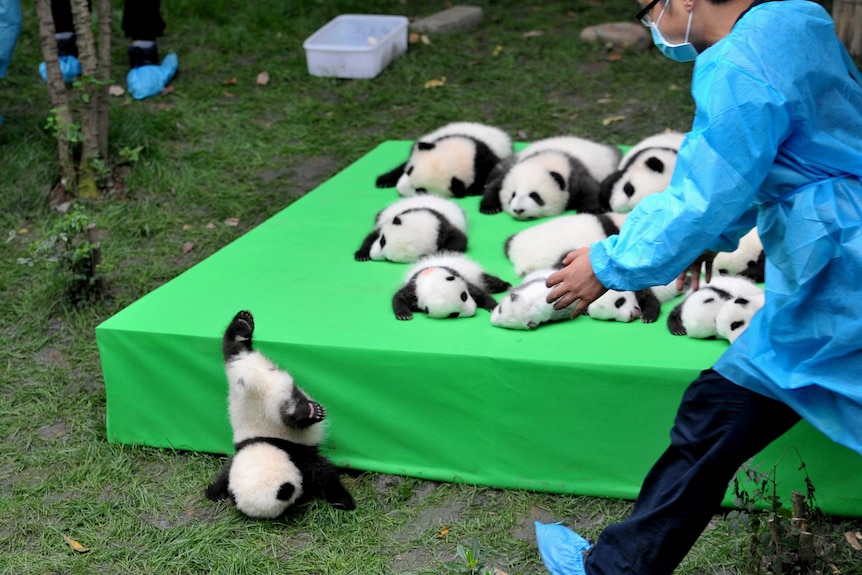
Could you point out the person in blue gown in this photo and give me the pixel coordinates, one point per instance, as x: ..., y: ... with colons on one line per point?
x: 776, y: 143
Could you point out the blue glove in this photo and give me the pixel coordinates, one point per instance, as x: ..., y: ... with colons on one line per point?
x: 150, y: 80
x: 70, y: 67
x: 561, y: 549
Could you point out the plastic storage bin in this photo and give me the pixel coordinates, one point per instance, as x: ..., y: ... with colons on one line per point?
x: 356, y: 45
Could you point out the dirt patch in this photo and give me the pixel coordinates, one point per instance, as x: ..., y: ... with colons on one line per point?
x: 525, y: 529
x: 299, y: 176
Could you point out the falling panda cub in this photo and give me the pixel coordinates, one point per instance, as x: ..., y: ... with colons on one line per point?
x: 277, y: 430
x: 452, y: 161
x: 446, y: 285
x: 645, y: 169
x: 549, y: 177
x: 413, y: 227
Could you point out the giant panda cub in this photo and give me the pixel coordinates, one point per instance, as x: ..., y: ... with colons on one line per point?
x: 526, y: 307
x: 452, y: 161
x: 543, y: 245
x: 549, y: 177
x: 277, y: 429
x: 734, y: 316
x: 696, y: 315
x: 747, y: 260
x: 413, y: 227
x: 645, y: 169
x: 446, y: 285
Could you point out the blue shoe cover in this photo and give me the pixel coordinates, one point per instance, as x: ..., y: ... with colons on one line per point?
x: 70, y: 67
x: 562, y: 549
x: 146, y: 81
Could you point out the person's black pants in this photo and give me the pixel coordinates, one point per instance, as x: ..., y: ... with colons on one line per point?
x: 718, y: 427
x: 142, y: 19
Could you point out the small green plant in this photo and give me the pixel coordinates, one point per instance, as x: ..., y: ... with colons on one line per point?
x: 472, y: 563
x: 71, y: 246
x: 56, y: 126
x: 130, y: 155
x: 780, y: 538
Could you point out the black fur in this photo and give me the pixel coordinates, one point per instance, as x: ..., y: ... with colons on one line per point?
x: 649, y: 304
x: 237, y: 336
x: 319, y: 476
x: 608, y: 226
x: 404, y: 301
x: 610, y: 181
x: 390, y: 178
x: 583, y: 189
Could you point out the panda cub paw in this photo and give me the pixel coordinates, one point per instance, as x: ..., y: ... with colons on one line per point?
x: 237, y: 337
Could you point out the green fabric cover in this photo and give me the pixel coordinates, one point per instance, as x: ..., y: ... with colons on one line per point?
x: 581, y: 407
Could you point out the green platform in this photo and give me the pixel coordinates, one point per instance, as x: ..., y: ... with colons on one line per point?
x: 578, y: 407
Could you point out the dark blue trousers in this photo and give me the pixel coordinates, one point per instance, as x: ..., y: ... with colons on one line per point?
x: 718, y: 427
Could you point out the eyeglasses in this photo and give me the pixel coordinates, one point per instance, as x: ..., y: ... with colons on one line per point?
x: 643, y: 15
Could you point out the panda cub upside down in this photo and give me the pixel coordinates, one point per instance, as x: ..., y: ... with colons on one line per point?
x: 277, y: 430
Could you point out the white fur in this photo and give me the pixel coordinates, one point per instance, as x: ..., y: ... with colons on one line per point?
x: 431, y: 171
x: 636, y: 178
x: 525, y: 306
x: 599, y: 159
x: 542, y: 245
x: 439, y: 294
x: 533, y: 176
x: 413, y: 236
x: 615, y: 305
x: 747, y: 252
x: 257, y: 473
x: 700, y: 309
x: 735, y: 316
x: 257, y: 392
x: 451, y: 210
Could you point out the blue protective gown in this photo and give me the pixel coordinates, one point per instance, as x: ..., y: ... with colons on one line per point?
x: 777, y: 143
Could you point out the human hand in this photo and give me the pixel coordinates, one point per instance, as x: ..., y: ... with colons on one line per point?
x: 576, y: 281
x: 704, y: 261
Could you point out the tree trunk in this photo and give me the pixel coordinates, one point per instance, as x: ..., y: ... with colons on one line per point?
x: 848, y: 24
x: 87, y: 187
x: 57, y: 92
x: 104, y: 104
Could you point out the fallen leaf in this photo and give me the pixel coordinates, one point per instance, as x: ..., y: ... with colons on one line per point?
x: 231, y: 222
x: 425, y: 39
x: 187, y: 247
x: 263, y: 78
x: 604, y: 100
x: 187, y: 227
x: 413, y: 37
x: 533, y: 34
x: 77, y: 547
x: 210, y: 226
x: 227, y: 94
x: 614, y: 57
x: 497, y: 50
x: 498, y: 571
x: 228, y: 82
x: 116, y: 90
x: 673, y: 87
x: 853, y: 539
x: 612, y: 119
x: 23, y: 231
x: 167, y: 90
x: 435, y: 83
x: 444, y: 531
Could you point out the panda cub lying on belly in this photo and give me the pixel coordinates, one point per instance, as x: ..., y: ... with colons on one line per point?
x: 276, y: 432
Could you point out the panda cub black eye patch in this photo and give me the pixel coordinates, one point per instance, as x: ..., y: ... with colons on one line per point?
x: 620, y: 302
x: 463, y: 296
x: 382, y: 241
x: 421, y: 191
x: 450, y: 279
x: 629, y: 189
x: 396, y: 221
x: 409, y: 170
x: 537, y: 198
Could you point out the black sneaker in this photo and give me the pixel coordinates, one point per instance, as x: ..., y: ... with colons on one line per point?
x: 143, y: 56
x: 67, y: 47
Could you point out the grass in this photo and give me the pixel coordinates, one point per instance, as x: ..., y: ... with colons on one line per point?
x: 222, y: 147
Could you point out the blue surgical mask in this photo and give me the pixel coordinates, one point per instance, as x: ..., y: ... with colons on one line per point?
x: 684, y: 52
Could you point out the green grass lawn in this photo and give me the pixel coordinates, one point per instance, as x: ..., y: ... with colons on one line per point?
x: 221, y: 147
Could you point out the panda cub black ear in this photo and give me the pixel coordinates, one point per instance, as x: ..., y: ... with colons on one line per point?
x: 557, y: 177
x: 655, y: 164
